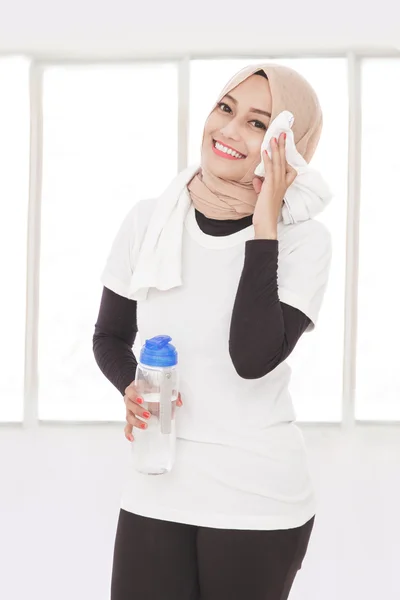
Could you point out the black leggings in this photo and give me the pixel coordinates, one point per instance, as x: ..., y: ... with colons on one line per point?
x: 160, y: 560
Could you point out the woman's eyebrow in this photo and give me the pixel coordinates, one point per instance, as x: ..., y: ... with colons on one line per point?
x: 254, y: 110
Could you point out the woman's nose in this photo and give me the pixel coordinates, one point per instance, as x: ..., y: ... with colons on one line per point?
x: 231, y: 130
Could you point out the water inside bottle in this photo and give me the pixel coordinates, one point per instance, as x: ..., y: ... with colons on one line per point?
x: 154, y: 451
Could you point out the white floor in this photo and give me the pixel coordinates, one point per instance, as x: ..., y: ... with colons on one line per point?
x: 59, y: 501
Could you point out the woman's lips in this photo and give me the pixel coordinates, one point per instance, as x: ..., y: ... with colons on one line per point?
x: 224, y: 154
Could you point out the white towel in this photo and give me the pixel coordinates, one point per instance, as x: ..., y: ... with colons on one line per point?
x: 159, y: 258
x: 309, y: 193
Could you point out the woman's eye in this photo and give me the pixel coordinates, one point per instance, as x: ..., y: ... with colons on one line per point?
x: 224, y: 107
x: 259, y: 125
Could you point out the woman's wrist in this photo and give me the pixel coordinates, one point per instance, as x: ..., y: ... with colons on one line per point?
x: 266, y: 229
x: 265, y: 232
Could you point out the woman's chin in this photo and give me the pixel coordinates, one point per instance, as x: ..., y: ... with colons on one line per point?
x: 223, y: 167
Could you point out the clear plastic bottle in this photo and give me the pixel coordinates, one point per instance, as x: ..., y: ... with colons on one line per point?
x: 157, y: 383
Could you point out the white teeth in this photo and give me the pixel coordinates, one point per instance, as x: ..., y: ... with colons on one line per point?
x: 226, y: 150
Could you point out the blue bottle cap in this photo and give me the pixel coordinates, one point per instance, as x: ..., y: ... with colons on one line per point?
x: 158, y: 352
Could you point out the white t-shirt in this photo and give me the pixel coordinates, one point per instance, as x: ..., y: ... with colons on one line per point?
x: 241, y: 461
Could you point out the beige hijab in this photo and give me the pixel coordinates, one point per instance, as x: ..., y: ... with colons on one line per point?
x: 224, y: 199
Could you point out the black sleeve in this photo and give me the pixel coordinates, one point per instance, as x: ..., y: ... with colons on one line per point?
x: 263, y: 330
x: 115, y: 333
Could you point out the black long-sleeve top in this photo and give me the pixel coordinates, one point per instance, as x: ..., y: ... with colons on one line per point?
x: 263, y: 330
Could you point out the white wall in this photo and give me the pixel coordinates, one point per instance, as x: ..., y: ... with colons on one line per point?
x: 60, y: 486
x: 125, y: 26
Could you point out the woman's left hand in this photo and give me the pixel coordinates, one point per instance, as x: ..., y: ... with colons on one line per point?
x: 279, y: 175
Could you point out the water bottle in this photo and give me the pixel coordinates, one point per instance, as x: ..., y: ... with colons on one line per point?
x: 157, y: 383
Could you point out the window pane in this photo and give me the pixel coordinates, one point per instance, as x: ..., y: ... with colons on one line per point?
x: 378, y: 375
x: 316, y: 384
x: 14, y: 191
x: 102, y: 129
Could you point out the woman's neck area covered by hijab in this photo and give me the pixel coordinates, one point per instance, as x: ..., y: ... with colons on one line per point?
x: 223, y: 187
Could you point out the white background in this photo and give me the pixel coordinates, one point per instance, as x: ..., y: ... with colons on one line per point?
x: 60, y: 484
x: 109, y: 138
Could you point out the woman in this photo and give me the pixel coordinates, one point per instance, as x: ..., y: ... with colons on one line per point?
x: 234, y: 517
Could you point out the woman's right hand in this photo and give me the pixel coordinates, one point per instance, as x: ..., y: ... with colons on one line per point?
x: 134, y: 409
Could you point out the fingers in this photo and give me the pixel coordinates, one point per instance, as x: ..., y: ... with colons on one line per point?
x: 277, y: 164
x: 132, y: 419
x: 135, y: 410
x: 291, y: 174
x: 131, y: 391
x: 135, y: 413
x: 267, y: 163
x: 282, y: 151
x: 276, y: 158
x: 128, y: 432
x: 281, y: 167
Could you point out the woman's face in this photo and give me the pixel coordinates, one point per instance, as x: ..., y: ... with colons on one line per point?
x: 235, y: 129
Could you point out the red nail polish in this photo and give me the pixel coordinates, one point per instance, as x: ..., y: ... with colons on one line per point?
x: 146, y: 415
x: 143, y: 425
x: 139, y: 400
x: 284, y: 136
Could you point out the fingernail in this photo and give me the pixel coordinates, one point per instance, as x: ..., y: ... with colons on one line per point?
x: 143, y: 425
x: 131, y: 438
x: 146, y: 415
x: 139, y: 400
x: 284, y: 136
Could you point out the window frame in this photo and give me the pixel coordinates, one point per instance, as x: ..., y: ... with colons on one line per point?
x: 354, y: 63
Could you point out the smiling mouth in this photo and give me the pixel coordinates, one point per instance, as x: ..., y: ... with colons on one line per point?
x: 226, y: 151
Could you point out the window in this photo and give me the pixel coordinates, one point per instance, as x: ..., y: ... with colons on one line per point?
x: 14, y: 193
x: 316, y: 384
x: 378, y: 374
x: 110, y: 139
